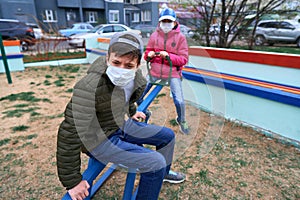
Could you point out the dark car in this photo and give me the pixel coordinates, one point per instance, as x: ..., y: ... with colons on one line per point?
x: 145, y: 29
x: 15, y: 30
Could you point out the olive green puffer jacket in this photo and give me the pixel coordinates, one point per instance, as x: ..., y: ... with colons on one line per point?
x: 96, y: 110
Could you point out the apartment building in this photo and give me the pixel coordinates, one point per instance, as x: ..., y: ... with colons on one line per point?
x: 56, y: 14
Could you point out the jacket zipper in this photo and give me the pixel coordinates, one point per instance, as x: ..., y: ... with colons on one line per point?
x: 165, y: 48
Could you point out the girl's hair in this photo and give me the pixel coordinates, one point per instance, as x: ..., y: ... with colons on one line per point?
x: 130, y: 46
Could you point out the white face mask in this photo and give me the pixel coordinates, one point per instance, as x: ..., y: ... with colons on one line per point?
x: 120, y: 76
x: 166, y: 27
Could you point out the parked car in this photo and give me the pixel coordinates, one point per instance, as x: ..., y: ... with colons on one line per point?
x: 38, y: 33
x: 214, y: 29
x: 277, y: 31
x: 146, y: 30
x: 187, y: 31
x: 75, y: 29
x: 102, y: 30
x: 15, y: 30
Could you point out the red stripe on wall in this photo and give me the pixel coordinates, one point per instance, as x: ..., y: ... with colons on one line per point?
x: 275, y: 59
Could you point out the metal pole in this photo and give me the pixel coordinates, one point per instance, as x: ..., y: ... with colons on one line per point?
x: 80, y: 10
x: 4, y: 58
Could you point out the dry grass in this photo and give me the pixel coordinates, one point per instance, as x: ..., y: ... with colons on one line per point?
x: 222, y: 160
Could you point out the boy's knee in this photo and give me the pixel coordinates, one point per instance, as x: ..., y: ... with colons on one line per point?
x: 159, y: 161
x: 169, y: 133
x: 156, y: 162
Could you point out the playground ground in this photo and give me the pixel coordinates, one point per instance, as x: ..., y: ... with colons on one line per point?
x: 222, y: 159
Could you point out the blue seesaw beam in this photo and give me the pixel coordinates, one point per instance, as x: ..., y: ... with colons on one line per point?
x: 95, y: 167
x: 148, y: 100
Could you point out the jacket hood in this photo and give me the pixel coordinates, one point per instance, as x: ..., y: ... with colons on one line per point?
x: 98, y: 66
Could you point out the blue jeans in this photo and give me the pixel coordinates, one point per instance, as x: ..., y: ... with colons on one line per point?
x: 125, y: 147
x: 177, y: 94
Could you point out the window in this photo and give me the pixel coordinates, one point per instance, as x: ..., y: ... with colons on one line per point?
x: 107, y: 29
x: 119, y: 29
x: 271, y: 25
x: 146, y: 15
x: 71, y: 16
x: 286, y: 25
x: 135, y: 17
x: 50, y: 16
x: 113, y: 16
x: 92, y: 17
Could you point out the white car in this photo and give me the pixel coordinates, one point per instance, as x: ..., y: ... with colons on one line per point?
x: 187, y: 31
x: 277, y: 31
x: 215, y: 29
x: 102, y: 30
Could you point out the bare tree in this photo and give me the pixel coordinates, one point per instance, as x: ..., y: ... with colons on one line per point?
x: 206, y: 8
x: 232, y: 14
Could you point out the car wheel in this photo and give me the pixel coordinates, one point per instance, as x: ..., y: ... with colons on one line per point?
x: 298, y: 42
x: 259, y: 40
x: 24, y: 46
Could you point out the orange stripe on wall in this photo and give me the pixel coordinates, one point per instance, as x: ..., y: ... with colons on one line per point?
x: 275, y: 59
x: 244, y: 80
x: 11, y: 42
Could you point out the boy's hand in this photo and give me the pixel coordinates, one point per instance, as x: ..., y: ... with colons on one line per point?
x: 80, y: 191
x: 139, y: 116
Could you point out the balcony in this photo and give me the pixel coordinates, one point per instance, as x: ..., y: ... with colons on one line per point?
x: 96, y: 4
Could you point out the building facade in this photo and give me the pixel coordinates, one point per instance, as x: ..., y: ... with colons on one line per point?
x: 56, y: 14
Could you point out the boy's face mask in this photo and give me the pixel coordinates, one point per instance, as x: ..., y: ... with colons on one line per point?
x: 166, y: 27
x: 120, y: 76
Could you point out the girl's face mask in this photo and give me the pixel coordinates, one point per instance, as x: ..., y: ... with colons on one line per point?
x: 120, y: 76
x: 166, y: 27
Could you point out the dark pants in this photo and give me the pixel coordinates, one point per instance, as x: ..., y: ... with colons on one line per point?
x: 126, y: 147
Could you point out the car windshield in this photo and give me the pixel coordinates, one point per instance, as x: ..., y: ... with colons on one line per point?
x: 95, y: 29
x: 75, y: 26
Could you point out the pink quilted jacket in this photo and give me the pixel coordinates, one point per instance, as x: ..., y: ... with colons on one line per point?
x: 175, y: 44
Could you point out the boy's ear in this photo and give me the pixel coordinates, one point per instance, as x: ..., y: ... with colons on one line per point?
x: 106, y: 58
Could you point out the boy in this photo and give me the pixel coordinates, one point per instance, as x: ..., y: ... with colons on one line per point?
x: 95, y: 123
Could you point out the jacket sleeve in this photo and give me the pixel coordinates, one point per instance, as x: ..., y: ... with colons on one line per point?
x: 78, y: 117
x: 150, y: 45
x: 68, y: 153
x: 181, y: 58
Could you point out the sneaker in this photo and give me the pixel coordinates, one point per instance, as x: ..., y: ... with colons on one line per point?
x: 148, y: 114
x: 174, y: 177
x: 184, y: 128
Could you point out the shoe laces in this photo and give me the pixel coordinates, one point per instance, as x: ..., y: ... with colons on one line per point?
x: 184, y: 125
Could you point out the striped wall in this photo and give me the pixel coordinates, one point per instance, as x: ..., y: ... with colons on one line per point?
x: 13, y: 55
x: 258, y: 89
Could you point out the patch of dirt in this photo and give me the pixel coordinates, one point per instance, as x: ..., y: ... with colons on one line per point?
x: 222, y: 159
